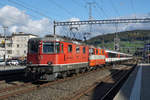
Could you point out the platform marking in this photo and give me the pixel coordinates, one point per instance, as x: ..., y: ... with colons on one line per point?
x: 136, y: 90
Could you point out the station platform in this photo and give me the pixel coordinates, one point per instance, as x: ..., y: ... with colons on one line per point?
x: 137, y: 86
x: 11, y: 69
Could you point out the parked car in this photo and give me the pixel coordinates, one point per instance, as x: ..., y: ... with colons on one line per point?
x: 2, y: 62
x: 22, y: 62
x: 12, y: 62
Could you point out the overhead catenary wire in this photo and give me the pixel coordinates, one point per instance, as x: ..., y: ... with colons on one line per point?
x: 133, y: 8
x: 114, y: 7
x: 77, y: 3
x: 99, y: 13
x: 61, y: 7
x: 100, y: 8
x: 27, y: 12
x: 35, y: 11
x: 33, y: 7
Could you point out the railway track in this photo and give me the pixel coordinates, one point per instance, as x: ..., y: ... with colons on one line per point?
x: 103, y: 89
x: 30, y: 86
x: 18, y: 89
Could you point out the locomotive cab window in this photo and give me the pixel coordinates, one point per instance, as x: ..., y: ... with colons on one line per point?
x: 69, y: 48
x: 48, y: 47
x: 33, y: 46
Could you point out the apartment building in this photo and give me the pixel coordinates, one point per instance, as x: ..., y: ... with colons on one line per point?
x: 16, y: 45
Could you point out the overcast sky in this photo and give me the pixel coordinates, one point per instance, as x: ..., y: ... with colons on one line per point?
x: 37, y: 16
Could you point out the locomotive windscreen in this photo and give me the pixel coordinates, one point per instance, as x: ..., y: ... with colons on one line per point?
x: 48, y: 47
x: 33, y: 46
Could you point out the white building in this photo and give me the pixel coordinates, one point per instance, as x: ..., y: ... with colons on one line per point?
x: 16, y: 45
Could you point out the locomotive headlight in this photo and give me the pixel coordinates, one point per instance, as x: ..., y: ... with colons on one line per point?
x: 49, y: 63
x: 30, y: 62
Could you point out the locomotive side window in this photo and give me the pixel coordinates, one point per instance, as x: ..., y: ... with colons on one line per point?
x: 57, y: 47
x: 84, y: 50
x: 62, y: 48
x: 77, y: 49
x: 48, y: 47
x: 33, y: 46
x: 69, y: 48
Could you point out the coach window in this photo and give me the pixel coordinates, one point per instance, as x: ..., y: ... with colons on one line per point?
x: 93, y: 51
x: 84, y: 50
x: 96, y: 51
x: 90, y: 50
x: 102, y: 52
x: 69, y: 48
x: 62, y: 48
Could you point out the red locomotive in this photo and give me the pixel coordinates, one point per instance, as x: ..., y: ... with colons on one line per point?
x: 49, y: 58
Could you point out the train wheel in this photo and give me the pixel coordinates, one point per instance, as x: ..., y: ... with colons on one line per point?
x: 77, y: 71
x: 64, y: 74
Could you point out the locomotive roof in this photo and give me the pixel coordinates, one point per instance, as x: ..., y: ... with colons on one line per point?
x: 58, y: 38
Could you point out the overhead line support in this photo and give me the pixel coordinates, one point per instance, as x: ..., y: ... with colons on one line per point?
x: 111, y: 21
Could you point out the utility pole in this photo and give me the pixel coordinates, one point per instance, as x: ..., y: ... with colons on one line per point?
x: 5, y: 29
x: 90, y: 5
x: 116, y: 40
x: 103, y: 41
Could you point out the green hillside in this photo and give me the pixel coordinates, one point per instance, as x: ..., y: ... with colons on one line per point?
x: 128, y: 39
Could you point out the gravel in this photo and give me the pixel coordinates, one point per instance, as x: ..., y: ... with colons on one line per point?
x: 63, y: 90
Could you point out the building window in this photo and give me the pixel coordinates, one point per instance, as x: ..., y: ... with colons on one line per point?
x: 18, y: 52
x: 9, y: 45
x: 25, y: 51
x: 25, y: 39
x: 25, y: 45
x: 69, y: 48
x: 17, y: 45
x: 9, y: 51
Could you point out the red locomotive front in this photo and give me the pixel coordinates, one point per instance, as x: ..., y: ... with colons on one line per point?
x: 43, y: 53
x: 49, y: 58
